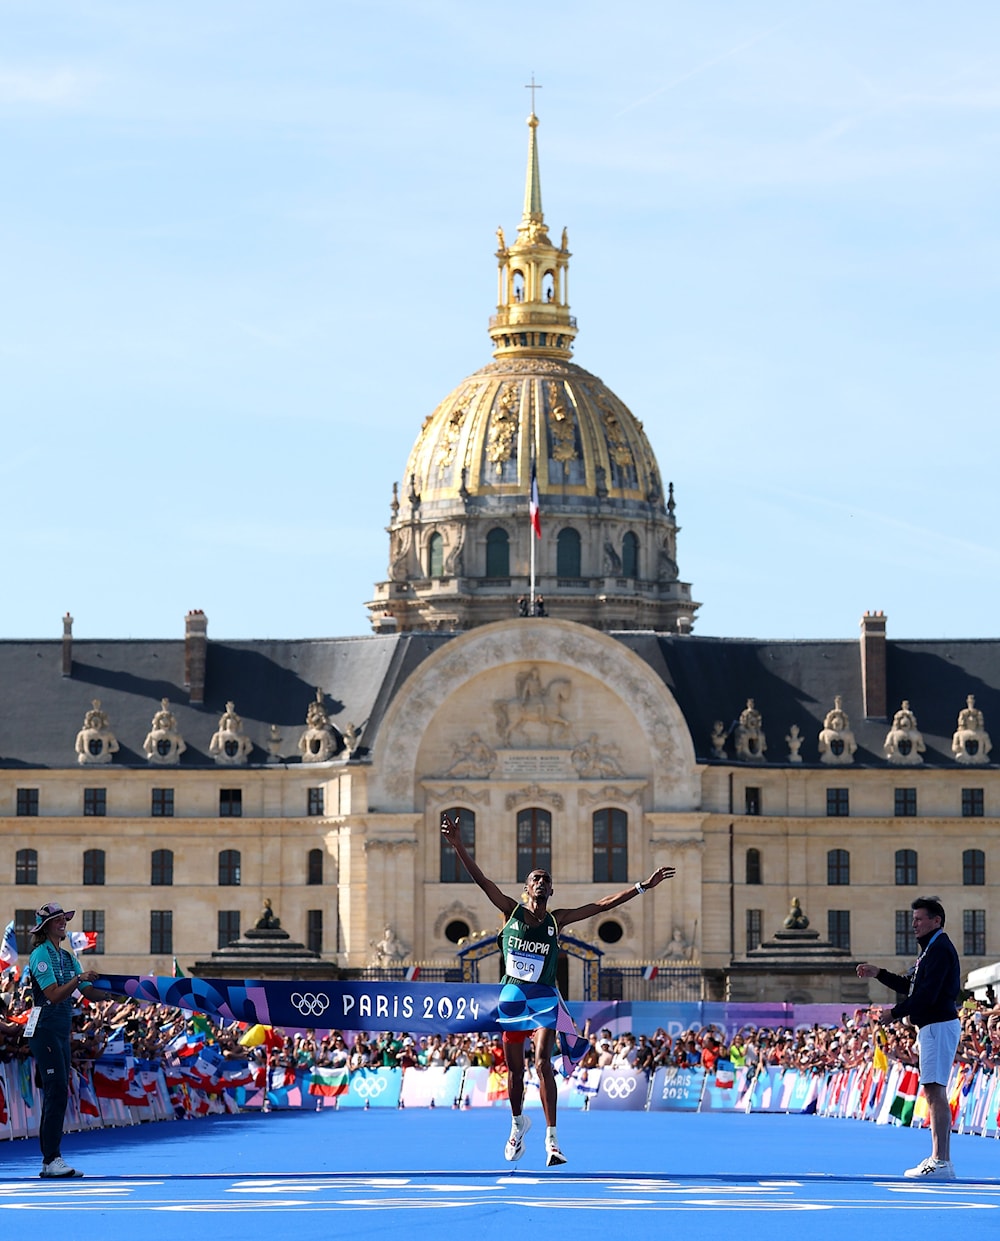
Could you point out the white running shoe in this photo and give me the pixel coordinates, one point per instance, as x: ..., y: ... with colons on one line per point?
x: 931, y: 1169
x: 553, y: 1156
x: 514, y: 1149
x: 58, y: 1167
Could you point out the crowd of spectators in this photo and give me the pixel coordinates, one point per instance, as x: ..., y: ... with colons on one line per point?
x: 153, y: 1031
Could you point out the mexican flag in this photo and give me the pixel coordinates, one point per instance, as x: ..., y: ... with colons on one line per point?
x: 329, y: 1082
x: 906, y: 1096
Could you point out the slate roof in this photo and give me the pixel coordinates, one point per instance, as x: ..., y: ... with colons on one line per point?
x: 273, y: 682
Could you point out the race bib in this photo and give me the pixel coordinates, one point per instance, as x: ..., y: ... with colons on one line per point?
x: 525, y: 966
x: 32, y: 1023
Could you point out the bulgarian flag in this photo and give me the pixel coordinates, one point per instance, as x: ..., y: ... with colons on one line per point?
x: 329, y: 1083
x: 906, y: 1096
x: 534, y: 508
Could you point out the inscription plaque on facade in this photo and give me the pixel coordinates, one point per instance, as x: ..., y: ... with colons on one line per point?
x: 520, y: 763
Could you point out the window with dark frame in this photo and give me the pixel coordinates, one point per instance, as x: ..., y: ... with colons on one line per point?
x: 161, y: 932
x: 497, y: 553
x: 27, y: 802
x: 906, y: 941
x: 26, y: 867
x: 93, y: 867
x: 315, y: 806
x: 973, y: 868
x: 162, y: 805
x: 906, y: 867
x: 610, y: 845
x: 229, y: 868
x: 534, y: 841
x: 753, y: 867
x: 974, y: 932
x: 314, y: 868
x: 229, y: 927
x: 752, y: 800
x: 95, y: 802
x: 755, y: 918
x: 435, y: 555
x: 838, y: 868
x: 230, y: 803
x: 838, y: 803
x: 93, y: 920
x: 162, y: 868
x: 906, y: 803
x: 24, y: 920
x: 568, y: 553
x: 838, y: 928
x: 972, y: 804
x: 451, y: 869
x: 314, y: 930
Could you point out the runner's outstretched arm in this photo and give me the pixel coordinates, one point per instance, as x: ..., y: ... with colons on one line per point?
x: 452, y: 833
x: 562, y: 916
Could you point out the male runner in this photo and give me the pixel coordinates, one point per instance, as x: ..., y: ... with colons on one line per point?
x: 529, y: 941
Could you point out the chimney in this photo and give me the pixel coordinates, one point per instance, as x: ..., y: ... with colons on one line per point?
x: 873, y: 686
x: 67, y: 662
x: 195, y: 655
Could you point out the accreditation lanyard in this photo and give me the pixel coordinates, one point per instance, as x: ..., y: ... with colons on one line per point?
x: 916, y: 964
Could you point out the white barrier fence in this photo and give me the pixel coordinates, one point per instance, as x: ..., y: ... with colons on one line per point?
x: 862, y: 1094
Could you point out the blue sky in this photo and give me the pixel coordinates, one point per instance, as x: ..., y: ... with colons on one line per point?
x: 248, y: 247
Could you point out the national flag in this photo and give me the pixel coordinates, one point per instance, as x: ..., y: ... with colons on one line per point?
x: 112, y: 1081
x: 572, y: 1045
x: 650, y: 972
x: 185, y: 1044
x: 329, y: 1083
x: 83, y: 941
x: 412, y: 973
x: 3, y: 1103
x: 8, y: 945
x: 534, y: 508
x: 178, y: 972
x: 236, y: 1073
x: 496, y: 1085
x: 20, y: 1019
x: 906, y: 1096
x: 725, y: 1074
x: 86, y: 1099
x: 262, y: 1034
x: 879, y: 1059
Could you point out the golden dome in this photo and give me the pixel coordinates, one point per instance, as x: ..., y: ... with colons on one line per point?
x: 481, y: 440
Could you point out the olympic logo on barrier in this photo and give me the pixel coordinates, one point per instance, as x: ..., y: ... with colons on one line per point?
x: 310, y: 1005
x: 618, y: 1087
x: 369, y: 1087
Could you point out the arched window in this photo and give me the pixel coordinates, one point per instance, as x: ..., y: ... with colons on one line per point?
x: 568, y: 553
x: 497, y: 553
x: 93, y: 867
x: 452, y: 870
x: 906, y: 867
x: 838, y: 867
x: 229, y: 868
x: 753, y: 866
x: 534, y: 841
x: 610, y: 846
x: 518, y: 286
x: 973, y: 868
x: 549, y: 286
x: 26, y: 866
x: 314, y: 868
x: 630, y: 555
x: 163, y: 868
x: 435, y: 555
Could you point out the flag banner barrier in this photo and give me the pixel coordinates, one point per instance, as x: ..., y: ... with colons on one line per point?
x: 621, y: 1090
x: 435, y: 1086
x: 676, y: 1089
x: 420, y: 1008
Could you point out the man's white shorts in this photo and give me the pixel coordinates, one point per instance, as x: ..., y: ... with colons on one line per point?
x: 938, y: 1043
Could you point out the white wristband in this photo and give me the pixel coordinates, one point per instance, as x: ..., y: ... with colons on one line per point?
x: 639, y: 888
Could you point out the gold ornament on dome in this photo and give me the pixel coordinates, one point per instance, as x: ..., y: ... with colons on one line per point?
x: 453, y: 428
x: 618, y: 445
x: 503, y: 425
x: 561, y: 426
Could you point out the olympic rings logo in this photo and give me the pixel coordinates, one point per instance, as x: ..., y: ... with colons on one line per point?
x: 618, y: 1087
x: 369, y: 1087
x: 310, y: 1005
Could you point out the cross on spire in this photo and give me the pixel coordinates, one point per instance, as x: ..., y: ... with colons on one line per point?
x: 532, y: 86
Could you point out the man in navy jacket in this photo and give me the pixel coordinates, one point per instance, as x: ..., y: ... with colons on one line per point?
x: 929, y: 991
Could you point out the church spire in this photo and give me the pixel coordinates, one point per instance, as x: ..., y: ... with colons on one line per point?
x: 532, y: 282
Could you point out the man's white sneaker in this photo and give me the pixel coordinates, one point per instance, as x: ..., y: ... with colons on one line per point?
x: 553, y: 1156
x: 514, y: 1149
x: 931, y: 1169
x: 58, y: 1167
